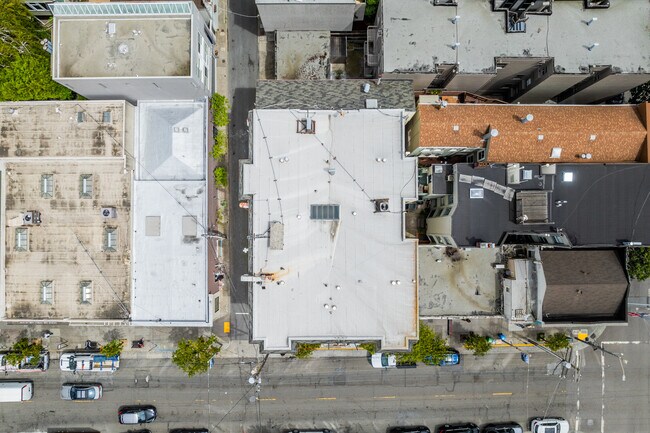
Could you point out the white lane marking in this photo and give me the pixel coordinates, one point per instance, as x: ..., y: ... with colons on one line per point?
x: 602, y: 395
x: 625, y: 342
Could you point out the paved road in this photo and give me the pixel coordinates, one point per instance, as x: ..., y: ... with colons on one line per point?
x: 242, y: 78
x: 345, y: 394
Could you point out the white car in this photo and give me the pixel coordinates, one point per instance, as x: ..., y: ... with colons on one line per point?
x: 549, y: 425
x: 81, y: 391
x: 383, y: 360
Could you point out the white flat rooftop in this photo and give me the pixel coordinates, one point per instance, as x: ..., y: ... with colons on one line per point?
x: 349, y: 277
x: 417, y: 36
x: 169, y: 216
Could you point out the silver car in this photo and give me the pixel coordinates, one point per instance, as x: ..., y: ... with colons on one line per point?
x: 81, y: 391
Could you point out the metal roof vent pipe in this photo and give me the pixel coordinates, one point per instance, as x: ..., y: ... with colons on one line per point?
x: 527, y: 118
x: 491, y: 134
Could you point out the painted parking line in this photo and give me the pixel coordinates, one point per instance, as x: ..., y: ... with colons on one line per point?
x: 501, y: 393
x: 327, y: 398
x: 268, y: 399
x: 386, y: 397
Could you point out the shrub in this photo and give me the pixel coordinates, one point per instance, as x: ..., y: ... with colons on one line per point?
x: 371, y: 7
x: 638, y: 263
x: 220, y: 146
x: 557, y: 341
x: 219, y: 105
x: 305, y: 350
x: 480, y: 345
x: 221, y: 177
x: 370, y: 347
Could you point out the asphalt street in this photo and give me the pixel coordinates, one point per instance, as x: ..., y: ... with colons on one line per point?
x: 344, y: 394
x: 242, y: 79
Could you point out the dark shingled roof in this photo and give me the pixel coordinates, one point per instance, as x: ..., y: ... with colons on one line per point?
x: 584, y: 286
x: 333, y: 94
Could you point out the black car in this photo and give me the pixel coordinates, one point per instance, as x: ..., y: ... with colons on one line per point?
x: 137, y: 414
x: 467, y: 427
x: 504, y: 427
x: 189, y: 430
x: 409, y: 429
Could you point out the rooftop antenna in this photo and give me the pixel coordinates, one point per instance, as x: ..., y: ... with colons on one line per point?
x: 592, y: 46
x: 527, y: 118
x: 591, y: 21
x: 455, y: 45
x: 455, y: 19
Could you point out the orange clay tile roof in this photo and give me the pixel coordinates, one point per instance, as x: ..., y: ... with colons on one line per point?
x: 620, y: 131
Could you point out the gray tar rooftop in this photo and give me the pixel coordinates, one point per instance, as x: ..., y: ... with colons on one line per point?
x: 325, y: 264
x: 122, y: 40
x: 334, y: 94
x: 170, y: 215
x: 417, y: 36
x: 603, y: 204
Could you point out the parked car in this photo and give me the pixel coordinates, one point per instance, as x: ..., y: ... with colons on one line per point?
x: 409, y: 429
x: 549, y: 425
x: 504, y: 427
x: 387, y: 360
x: 467, y: 427
x: 81, y: 391
x: 189, y: 430
x: 137, y: 414
x: 452, y: 358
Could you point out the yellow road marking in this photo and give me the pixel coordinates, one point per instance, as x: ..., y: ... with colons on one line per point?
x: 268, y: 399
x: 387, y: 396
x: 195, y: 400
x: 501, y: 393
x: 327, y: 398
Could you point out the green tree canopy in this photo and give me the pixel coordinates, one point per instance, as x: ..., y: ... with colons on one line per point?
x: 479, y: 344
x: 219, y: 105
x: 112, y: 348
x: 557, y: 341
x: 638, y: 263
x: 193, y: 356
x: 430, y: 348
x: 24, y: 64
x: 22, y: 349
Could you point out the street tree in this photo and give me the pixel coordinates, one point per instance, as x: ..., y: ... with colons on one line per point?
x: 557, y: 341
x: 112, y: 348
x: 479, y: 344
x: 430, y: 348
x: 638, y: 263
x: 305, y: 350
x: 23, y: 349
x: 193, y: 356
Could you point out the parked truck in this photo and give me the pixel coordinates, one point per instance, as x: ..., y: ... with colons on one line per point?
x: 387, y: 360
x: 29, y: 364
x: 89, y: 362
x: 11, y: 392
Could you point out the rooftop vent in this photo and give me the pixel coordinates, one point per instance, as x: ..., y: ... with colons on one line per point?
x: 372, y: 103
x: 381, y: 205
x: 31, y: 217
x: 596, y: 4
x: 306, y: 126
x: 109, y: 212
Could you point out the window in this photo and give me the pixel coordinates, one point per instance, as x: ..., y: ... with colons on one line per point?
x: 47, y: 185
x: 110, y: 239
x: 47, y: 292
x: 22, y: 239
x: 81, y: 116
x: 86, y: 186
x: 86, y: 292
x: 106, y: 116
x: 324, y: 212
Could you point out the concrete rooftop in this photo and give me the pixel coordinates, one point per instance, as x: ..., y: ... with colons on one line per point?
x: 170, y: 215
x: 139, y: 47
x: 69, y: 246
x: 302, y: 55
x: 418, y: 35
x: 351, y: 263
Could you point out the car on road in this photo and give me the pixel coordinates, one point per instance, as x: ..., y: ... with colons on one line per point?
x: 466, y: 427
x: 504, y: 427
x: 549, y: 425
x: 409, y: 429
x: 189, y: 430
x: 137, y: 414
x: 451, y: 358
x: 81, y: 391
x: 388, y: 360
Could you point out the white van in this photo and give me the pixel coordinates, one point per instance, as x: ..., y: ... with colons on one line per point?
x: 16, y: 391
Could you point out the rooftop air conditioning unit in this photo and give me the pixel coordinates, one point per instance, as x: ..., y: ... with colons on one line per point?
x: 109, y: 212
x: 31, y: 217
x: 381, y: 205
